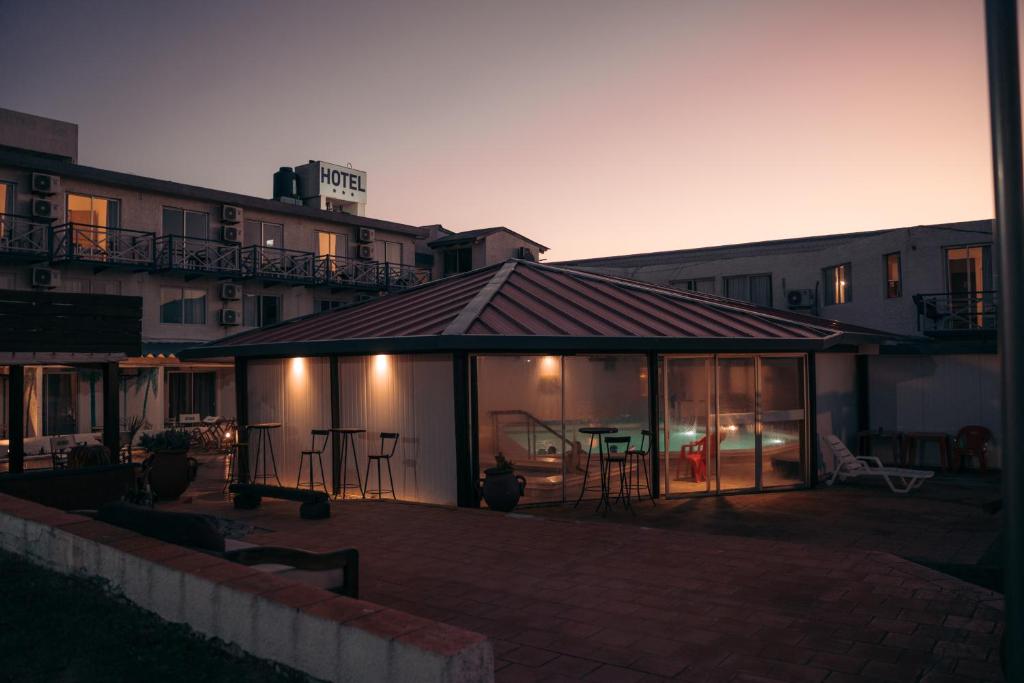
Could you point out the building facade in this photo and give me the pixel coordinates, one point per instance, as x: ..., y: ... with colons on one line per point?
x: 935, y: 284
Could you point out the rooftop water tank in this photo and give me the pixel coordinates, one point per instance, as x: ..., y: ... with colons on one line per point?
x: 286, y: 184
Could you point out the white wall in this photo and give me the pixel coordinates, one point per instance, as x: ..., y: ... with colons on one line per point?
x: 835, y: 378
x: 937, y: 393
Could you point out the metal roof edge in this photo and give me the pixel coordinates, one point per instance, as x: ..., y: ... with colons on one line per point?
x: 460, y: 324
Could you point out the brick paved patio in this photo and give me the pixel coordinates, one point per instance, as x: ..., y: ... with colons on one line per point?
x: 564, y: 599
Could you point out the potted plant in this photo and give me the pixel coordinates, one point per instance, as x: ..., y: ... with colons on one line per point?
x: 168, y: 466
x: 89, y: 455
x: 501, y: 487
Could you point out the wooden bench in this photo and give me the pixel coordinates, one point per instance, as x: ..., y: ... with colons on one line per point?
x: 315, y: 504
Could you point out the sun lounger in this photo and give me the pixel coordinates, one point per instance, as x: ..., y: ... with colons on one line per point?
x: 849, y: 466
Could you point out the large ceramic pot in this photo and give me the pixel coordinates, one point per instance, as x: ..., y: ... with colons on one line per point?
x: 501, y: 489
x: 170, y: 473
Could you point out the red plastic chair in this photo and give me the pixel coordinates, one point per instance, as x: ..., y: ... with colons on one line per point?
x: 696, y: 454
x: 972, y: 442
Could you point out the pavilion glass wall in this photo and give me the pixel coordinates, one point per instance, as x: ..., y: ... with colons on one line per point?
x: 734, y: 422
x: 530, y: 409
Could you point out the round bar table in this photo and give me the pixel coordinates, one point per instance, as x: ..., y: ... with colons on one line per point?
x: 263, y: 445
x: 595, y: 432
x: 339, y: 462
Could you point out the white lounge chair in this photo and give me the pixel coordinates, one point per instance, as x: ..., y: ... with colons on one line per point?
x: 849, y: 466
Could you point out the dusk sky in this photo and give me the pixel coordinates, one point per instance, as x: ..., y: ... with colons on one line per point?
x: 596, y: 128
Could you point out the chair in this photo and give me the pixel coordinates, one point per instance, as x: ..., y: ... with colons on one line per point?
x: 320, y: 437
x: 59, y: 447
x: 972, y: 442
x: 636, y: 459
x: 847, y: 466
x: 383, y: 455
x: 696, y: 454
x: 616, y: 453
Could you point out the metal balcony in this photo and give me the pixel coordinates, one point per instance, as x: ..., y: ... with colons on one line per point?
x: 23, y: 238
x: 345, y: 273
x: 102, y: 246
x: 192, y: 255
x: 394, y: 276
x: 954, y: 313
x: 278, y: 265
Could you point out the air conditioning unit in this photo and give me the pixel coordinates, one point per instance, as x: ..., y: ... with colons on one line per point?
x: 229, y: 291
x: 800, y: 298
x: 45, y: 278
x: 365, y: 252
x: 525, y: 253
x: 228, y: 317
x: 365, y: 235
x: 44, y: 208
x: 231, y: 233
x: 231, y: 214
x: 45, y: 184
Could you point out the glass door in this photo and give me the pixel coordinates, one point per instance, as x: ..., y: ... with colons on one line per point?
x: 738, y: 445
x: 690, y: 463
x: 783, y: 421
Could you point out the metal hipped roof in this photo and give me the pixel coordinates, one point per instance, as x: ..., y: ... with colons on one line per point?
x: 523, y: 305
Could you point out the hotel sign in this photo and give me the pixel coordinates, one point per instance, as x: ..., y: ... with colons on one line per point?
x: 341, y: 182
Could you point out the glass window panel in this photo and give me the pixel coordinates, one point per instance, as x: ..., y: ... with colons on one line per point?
x: 893, y: 276
x: 80, y: 209
x: 171, y: 305
x: 197, y: 224
x: 690, y: 461
x: 738, y: 287
x: 253, y: 233
x: 838, y: 284
x: 60, y: 413
x: 783, y: 417
x: 737, y: 423
x: 761, y: 290
x: 194, y: 306
x: 270, y: 310
x: 273, y: 235
x: 250, y: 310
x: 174, y: 221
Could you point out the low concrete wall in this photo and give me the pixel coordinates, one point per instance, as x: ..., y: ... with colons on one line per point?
x: 307, y: 628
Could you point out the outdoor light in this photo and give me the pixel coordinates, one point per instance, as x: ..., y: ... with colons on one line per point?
x: 380, y: 363
x: 298, y: 367
x: 549, y: 366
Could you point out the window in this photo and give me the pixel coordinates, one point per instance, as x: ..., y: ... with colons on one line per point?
x: 458, y: 260
x: 260, y: 310
x: 186, y: 223
x: 969, y: 270
x: 182, y: 306
x: 331, y: 244
x: 264, y: 234
x: 757, y: 289
x: 6, y: 207
x: 893, y: 276
x: 60, y: 404
x: 705, y: 285
x: 321, y: 305
x: 838, y: 284
x: 92, y: 216
x: 389, y: 252
x: 191, y: 392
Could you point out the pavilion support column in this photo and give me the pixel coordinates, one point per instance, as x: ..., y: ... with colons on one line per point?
x: 465, y: 472
x: 336, y: 463
x: 812, y: 419
x: 863, y: 387
x: 16, y: 418
x: 653, y: 399
x: 242, y: 417
x: 111, y: 409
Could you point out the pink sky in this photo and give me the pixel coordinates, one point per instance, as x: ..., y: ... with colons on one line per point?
x: 595, y: 127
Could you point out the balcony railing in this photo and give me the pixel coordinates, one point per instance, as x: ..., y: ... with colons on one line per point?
x: 98, y: 244
x: 195, y: 255
x: 398, y: 276
x: 23, y: 237
x: 286, y: 265
x: 957, y: 312
x: 338, y: 271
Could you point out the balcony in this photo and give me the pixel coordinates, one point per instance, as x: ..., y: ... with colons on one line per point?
x: 23, y: 238
x: 278, y: 265
x: 345, y: 273
x: 195, y: 256
x: 102, y: 246
x: 395, y: 276
x: 957, y: 313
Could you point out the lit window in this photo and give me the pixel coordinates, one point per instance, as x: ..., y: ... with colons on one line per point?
x: 893, y: 276
x: 838, y: 284
x: 182, y: 306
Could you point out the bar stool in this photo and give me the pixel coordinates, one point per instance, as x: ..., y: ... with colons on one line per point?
x: 616, y: 453
x: 317, y: 447
x: 635, y: 460
x: 594, y: 432
x: 232, y: 459
x: 386, y: 457
x: 263, y: 447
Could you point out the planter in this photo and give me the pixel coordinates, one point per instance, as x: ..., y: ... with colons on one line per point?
x: 501, y: 489
x: 170, y: 473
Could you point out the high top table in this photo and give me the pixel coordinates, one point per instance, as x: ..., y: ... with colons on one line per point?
x: 262, y: 446
x: 598, y: 433
x: 339, y: 462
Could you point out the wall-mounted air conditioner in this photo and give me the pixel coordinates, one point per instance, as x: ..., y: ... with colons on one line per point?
x: 230, y: 214
x: 365, y: 252
x: 365, y: 235
x: 229, y: 291
x: 44, y: 208
x: 800, y: 299
x: 228, y: 317
x: 231, y: 233
x: 45, y: 278
x: 45, y: 184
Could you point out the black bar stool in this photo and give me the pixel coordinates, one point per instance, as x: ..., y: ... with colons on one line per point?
x: 636, y: 459
x: 386, y: 457
x: 339, y: 468
x: 616, y: 453
x: 594, y: 432
x: 263, y: 447
x: 318, y: 445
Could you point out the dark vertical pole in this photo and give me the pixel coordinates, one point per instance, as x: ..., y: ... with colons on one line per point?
x: 811, y: 403
x: 242, y: 417
x: 16, y: 419
x: 474, y: 429
x: 335, y: 424
x: 466, y: 476
x: 653, y: 413
x: 1004, y: 111
x: 111, y: 409
x: 863, y: 380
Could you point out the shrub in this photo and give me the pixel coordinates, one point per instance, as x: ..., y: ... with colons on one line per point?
x: 169, y: 440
